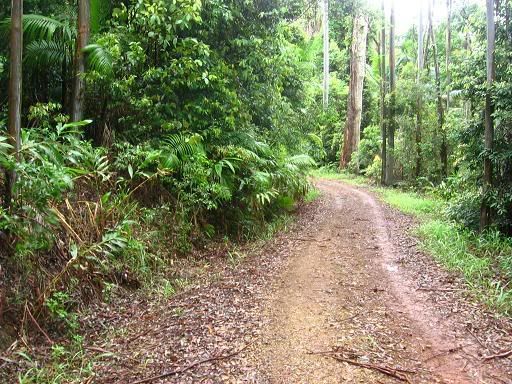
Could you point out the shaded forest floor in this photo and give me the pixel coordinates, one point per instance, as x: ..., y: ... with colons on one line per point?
x: 345, y: 295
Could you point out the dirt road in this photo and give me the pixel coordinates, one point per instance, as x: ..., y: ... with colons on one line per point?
x: 347, y: 282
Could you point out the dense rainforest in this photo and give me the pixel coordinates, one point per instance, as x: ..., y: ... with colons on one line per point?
x: 135, y: 134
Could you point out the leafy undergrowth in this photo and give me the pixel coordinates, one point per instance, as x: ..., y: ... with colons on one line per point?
x: 68, y: 359
x: 482, y: 259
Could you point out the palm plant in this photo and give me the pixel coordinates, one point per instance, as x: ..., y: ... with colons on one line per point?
x: 49, y: 44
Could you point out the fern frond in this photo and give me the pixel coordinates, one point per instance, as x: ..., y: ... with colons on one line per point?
x: 315, y: 139
x: 183, y: 146
x: 301, y: 161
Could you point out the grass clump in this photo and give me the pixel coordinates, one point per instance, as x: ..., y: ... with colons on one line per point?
x: 410, y: 202
x: 482, y: 259
x: 312, y: 195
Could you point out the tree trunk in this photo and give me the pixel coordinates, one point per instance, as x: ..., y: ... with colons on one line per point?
x: 383, y: 90
x: 448, y: 51
x: 390, y: 162
x: 485, y: 212
x: 14, y: 103
x: 326, y: 54
x: 79, y: 61
x: 443, y: 152
x: 355, y: 94
x: 419, y: 100
x: 64, y: 85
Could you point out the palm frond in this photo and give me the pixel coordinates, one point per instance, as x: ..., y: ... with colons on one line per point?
x: 45, y: 53
x: 39, y: 27
x: 183, y: 146
x: 99, y: 59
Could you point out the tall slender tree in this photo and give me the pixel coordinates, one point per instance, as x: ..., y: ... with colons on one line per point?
x: 77, y: 102
x: 485, y: 212
x: 355, y: 94
x: 443, y: 151
x: 391, y: 127
x: 326, y: 54
x: 383, y: 90
x: 448, y: 50
x: 15, y: 79
x: 419, y: 99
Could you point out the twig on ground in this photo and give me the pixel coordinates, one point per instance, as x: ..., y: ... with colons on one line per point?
x: 304, y: 239
x: 137, y: 336
x: 50, y: 341
x: 396, y: 373
x: 449, y: 351
x: 99, y: 350
x: 478, y: 340
x: 440, y: 289
x: 502, y: 354
x: 351, y: 317
x: 190, y: 366
x: 10, y: 361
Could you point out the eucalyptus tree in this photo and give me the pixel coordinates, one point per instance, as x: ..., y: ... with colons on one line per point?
x: 443, y: 151
x: 391, y: 126
x: 448, y: 50
x: 15, y: 80
x: 485, y: 213
x: 326, y: 54
x: 383, y: 90
x: 352, y: 130
x: 419, y: 98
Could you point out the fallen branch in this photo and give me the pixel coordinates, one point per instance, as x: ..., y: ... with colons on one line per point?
x: 190, y: 366
x: 305, y: 239
x: 439, y: 289
x: 395, y: 373
x: 478, y: 340
x: 502, y: 354
x: 99, y: 350
x: 6, y: 360
x: 448, y: 351
x: 351, y: 317
x: 50, y: 341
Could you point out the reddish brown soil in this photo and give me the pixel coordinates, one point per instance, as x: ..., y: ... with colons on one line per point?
x: 344, y: 278
x: 351, y: 288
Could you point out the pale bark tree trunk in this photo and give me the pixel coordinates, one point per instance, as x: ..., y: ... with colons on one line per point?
x: 448, y: 51
x: 14, y: 103
x: 485, y: 213
x: 383, y: 90
x: 443, y: 152
x: 390, y: 163
x: 419, y: 101
x: 326, y: 54
x: 79, y: 61
x: 355, y: 94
